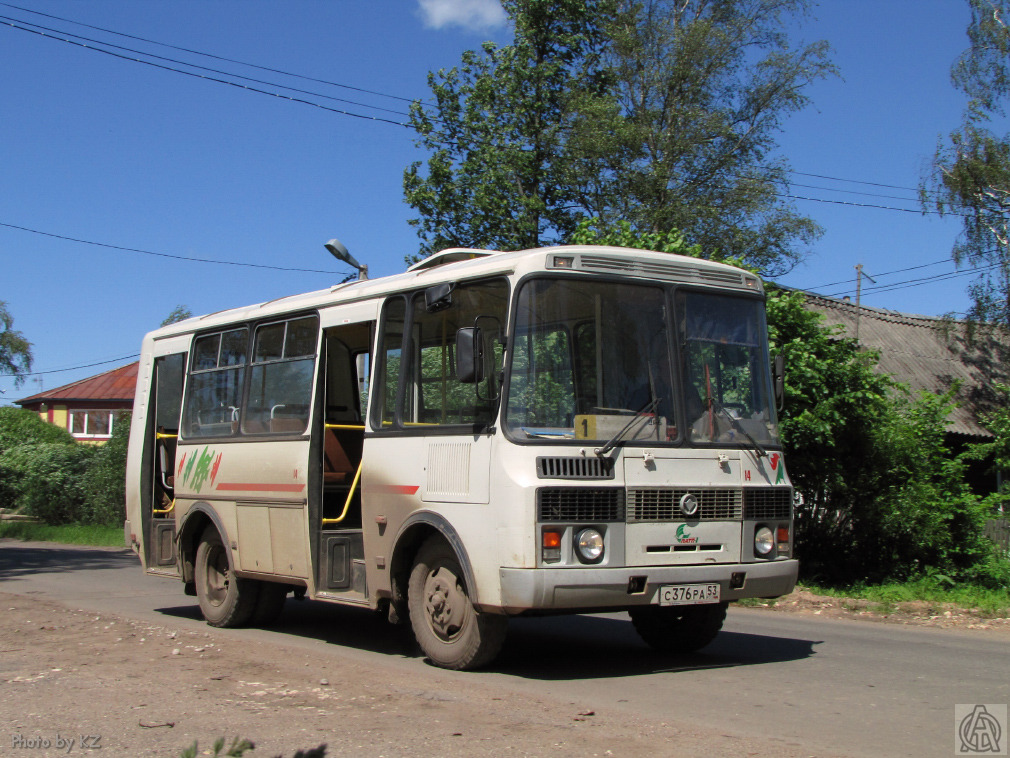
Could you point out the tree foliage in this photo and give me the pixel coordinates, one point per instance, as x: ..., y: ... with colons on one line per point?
x: 882, y: 497
x: 45, y: 473
x: 179, y: 313
x: 970, y: 175
x: 497, y: 174
x: 15, y: 350
x: 662, y: 113
x: 702, y: 89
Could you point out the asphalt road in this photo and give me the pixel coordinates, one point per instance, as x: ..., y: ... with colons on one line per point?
x: 828, y: 685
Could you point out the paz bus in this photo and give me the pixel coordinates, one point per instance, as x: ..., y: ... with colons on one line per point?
x: 489, y: 434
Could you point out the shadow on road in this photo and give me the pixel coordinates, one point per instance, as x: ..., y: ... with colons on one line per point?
x: 20, y: 558
x: 552, y: 648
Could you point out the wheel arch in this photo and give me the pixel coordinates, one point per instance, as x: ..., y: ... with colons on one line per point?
x: 199, y: 517
x: 413, y: 532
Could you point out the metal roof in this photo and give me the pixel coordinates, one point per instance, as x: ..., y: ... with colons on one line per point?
x: 930, y: 354
x: 119, y: 384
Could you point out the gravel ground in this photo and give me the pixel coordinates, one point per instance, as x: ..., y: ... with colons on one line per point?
x: 73, y: 683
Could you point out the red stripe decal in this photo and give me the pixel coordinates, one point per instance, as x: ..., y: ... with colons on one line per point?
x: 394, y: 489
x: 250, y: 487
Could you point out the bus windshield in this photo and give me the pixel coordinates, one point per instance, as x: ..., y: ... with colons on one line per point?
x: 594, y: 361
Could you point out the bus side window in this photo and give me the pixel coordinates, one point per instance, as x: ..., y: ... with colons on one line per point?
x: 281, y: 377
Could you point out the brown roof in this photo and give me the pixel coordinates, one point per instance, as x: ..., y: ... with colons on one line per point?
x: 120, y: 384
x: 930, y: 354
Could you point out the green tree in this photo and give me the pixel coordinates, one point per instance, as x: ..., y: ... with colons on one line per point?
x: 497, y: 176
x: 660, y: 113
x: 15, y: 350
x: 179, y: 313
x: 997, y: 451
x: 702, y: 89
x: 970, y: 176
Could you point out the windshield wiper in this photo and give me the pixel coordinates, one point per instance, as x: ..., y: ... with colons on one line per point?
x: 735, y: 422
x: 648, y: 408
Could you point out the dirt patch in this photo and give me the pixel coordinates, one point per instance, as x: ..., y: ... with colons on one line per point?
x: 80, y: 683
x: 919, y: 613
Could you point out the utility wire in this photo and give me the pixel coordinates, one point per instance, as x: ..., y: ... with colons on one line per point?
x: 200, y: 68
x: 16, y: 25
x: 886, y: 273
x: 166, y: 255
x: 74, y: 368
x: 920, y: 281
x: 217, y: 57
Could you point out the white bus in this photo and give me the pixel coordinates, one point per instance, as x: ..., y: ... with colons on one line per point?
x: 569, y: 429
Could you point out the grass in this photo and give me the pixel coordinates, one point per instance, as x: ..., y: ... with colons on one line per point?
x: 69, y: 534
x: 989, y: 602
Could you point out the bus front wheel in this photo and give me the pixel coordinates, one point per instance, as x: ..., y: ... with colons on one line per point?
x: 225, y: 600
x: 678, y: 628
x: 448, y: 628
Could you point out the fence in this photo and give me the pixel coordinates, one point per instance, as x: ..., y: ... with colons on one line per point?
x: 998, y: 530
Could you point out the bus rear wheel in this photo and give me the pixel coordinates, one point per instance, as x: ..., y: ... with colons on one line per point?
x: 225, y: 600
x: 678, y: 628
x: 450, y: 631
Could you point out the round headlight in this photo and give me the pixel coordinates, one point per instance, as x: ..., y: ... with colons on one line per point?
x: 589, y: 544
x: 764, y: 541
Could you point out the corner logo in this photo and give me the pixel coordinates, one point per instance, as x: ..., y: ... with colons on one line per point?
x: 684, y: 537
x: 979, y: 729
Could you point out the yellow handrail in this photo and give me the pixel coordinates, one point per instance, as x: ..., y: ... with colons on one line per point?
x: 345, y: 426
x: 347, y: 503
x: 169, y: 509
x: 163, y: 436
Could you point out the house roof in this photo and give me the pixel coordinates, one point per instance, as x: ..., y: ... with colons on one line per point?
x: 930, y: 354
x: 119, y: 385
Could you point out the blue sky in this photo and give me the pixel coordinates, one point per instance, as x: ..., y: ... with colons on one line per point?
x: 110, y: 151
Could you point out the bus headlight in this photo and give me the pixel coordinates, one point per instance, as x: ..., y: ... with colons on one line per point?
x: 764, y: 541
x: 589, y: 545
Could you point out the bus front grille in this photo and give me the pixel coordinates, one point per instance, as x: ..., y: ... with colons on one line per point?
x: 767, y: 502
x: 654, y: 504
x: 592, y: 504
x: 571, y: 467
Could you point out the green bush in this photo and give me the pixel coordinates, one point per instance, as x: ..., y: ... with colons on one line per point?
x: 45, y: 473
x: 104, y: 482
x: 19, y: 426
x: 46, y: 479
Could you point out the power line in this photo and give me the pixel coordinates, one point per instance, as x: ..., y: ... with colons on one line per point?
x: 886, y: 273
x: 200, y: 68
x: 195, y: 75
x: 216, y: 57
x: 853, y: 181
x: 75, y: 368
x: 166, y: 255
x: 920, y: 281
x: 871, y: 205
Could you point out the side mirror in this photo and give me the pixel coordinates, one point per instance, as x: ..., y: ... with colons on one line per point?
x: 438, y: 297
x: 779, y: 379
x: 469, y: 355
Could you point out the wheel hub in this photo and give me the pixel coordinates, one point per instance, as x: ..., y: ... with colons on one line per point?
x: 444, y: 603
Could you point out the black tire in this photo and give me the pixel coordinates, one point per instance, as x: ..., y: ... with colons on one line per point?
x: 269, y: 603
x: 448, y: 628
x: 678, y: 628
x: 225, y: 600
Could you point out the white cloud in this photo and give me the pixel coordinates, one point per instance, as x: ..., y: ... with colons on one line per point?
x: 474, y: 15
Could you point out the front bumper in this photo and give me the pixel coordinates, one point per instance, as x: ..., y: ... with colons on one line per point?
x: 584, y: 589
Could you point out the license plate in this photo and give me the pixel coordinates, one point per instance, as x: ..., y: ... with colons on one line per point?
x: 688, y: 594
